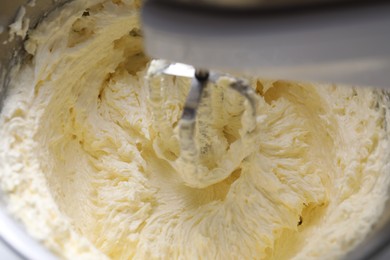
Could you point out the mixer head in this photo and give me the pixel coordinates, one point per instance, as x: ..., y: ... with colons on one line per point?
x: 328, y: 41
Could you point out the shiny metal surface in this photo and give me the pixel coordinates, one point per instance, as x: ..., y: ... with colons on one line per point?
x: 19, y: 244
x: 15, y: 243
x: 248, y: 4
x: 11, y: 52
x: 337, y: 44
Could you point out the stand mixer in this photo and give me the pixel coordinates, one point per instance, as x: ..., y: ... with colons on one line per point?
x: 324, y: 41
x: 344, y: 42
x: 321, y: 43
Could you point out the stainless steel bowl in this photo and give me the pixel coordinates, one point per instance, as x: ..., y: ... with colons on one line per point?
x: 15, y: 243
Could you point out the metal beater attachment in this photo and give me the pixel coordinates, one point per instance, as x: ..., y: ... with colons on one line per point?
x: 188, y: 164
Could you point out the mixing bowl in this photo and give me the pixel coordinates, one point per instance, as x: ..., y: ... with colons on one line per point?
x: 15, y: 243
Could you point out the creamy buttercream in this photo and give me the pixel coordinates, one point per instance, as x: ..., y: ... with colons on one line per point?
x: 89, y: 162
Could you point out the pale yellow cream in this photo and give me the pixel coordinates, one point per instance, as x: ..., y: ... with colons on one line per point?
x: 92, y: 175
